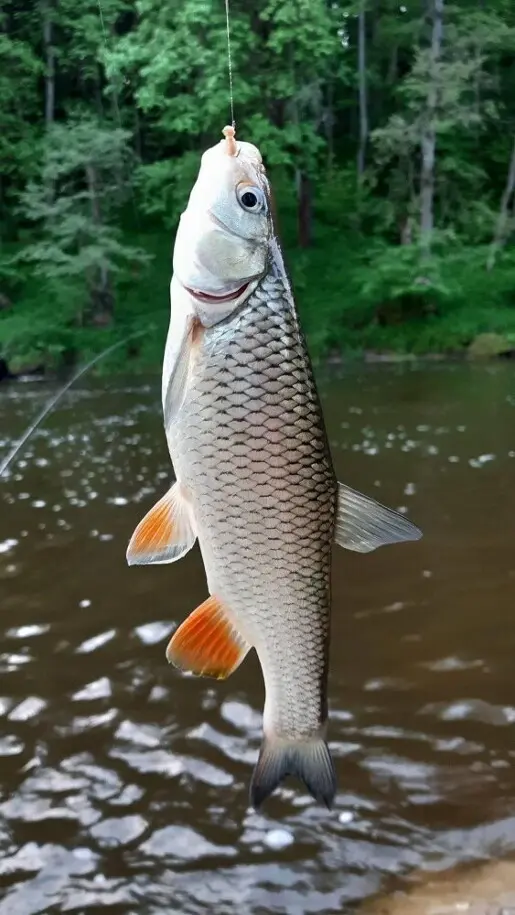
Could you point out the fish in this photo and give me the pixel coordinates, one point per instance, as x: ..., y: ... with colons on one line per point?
x: 254, y: 479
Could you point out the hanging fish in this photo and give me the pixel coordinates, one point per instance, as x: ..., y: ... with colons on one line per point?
x: 255, y: 481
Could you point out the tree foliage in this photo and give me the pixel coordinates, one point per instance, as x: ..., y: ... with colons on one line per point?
x: 388, y: 129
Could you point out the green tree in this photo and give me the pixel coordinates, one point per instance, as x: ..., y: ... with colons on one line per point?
x: 80, y: 243
x: 387, y: 129
x: 20, y: 70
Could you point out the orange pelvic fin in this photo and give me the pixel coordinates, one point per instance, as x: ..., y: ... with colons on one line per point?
x: 207, y: 643
x: 166, y: 532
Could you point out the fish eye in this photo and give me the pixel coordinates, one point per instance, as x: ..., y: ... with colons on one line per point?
x: 251, y: 198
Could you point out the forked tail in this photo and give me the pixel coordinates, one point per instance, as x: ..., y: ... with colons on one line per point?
x: 308, y: 760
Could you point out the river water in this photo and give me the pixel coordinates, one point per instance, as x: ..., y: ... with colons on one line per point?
x: 124, y: 784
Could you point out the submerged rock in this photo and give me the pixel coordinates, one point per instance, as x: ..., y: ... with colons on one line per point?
x: 4, y: 371
x: 18, y: 369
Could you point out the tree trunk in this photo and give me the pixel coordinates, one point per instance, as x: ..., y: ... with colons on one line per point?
x: 478, y: 73
x: 301, y: 176
x: 304, y: 209
x: 428, y: 138
x: 406, y: 231
x: 48, y: 29
x: 502, y: 227
x: 49, y: 51
x: 362, y: 80
x: 329, y: 126
x: 138, y: 134
x: 393, y: 66
x: 101, y: 293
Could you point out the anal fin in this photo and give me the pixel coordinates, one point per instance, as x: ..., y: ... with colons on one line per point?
x: 166, y: 532
x: 363, y: 525
x: 207, y: 642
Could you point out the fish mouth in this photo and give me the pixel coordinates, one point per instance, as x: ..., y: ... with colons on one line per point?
x: 209, y: 298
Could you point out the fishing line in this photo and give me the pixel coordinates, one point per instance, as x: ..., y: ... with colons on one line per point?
x: 52, y: 402
x: 229, y: 60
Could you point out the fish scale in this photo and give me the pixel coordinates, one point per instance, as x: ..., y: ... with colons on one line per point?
x: 264, y: 497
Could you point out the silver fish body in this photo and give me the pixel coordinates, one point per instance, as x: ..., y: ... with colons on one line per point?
x: 250, y: 446
x: 255, y: 481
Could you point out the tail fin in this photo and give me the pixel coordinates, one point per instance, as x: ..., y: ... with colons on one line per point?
x: 309, y: 760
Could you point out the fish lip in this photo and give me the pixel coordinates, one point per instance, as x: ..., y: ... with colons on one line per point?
x: 209, y: 298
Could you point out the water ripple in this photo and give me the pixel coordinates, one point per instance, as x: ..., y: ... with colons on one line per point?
x: 125, y: 785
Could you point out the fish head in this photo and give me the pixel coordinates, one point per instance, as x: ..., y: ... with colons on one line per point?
x: 222, y: 244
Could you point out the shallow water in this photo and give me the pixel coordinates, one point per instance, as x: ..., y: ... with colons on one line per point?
x: 124, y: 785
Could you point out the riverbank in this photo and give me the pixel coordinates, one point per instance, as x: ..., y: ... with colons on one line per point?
x: 38, y: 371
x: 485, y: 888
x: 357, y: 301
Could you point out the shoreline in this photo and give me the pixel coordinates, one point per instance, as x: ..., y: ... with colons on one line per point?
x: 333, y: 360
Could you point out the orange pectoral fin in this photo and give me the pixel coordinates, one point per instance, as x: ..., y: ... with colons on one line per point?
x: 207, y: 643
x: 165, y: 533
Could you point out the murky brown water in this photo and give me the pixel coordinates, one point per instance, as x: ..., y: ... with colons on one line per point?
x: 124, y: 785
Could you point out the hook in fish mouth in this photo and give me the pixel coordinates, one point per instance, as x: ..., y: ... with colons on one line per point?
x: 208, y: 297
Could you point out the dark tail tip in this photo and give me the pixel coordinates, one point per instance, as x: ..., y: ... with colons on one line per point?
x: 309, y: 760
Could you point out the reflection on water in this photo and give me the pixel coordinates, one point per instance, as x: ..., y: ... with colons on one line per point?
x: 124, y: 785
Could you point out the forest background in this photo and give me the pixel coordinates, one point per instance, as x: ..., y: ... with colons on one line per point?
x: 388, y: 130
